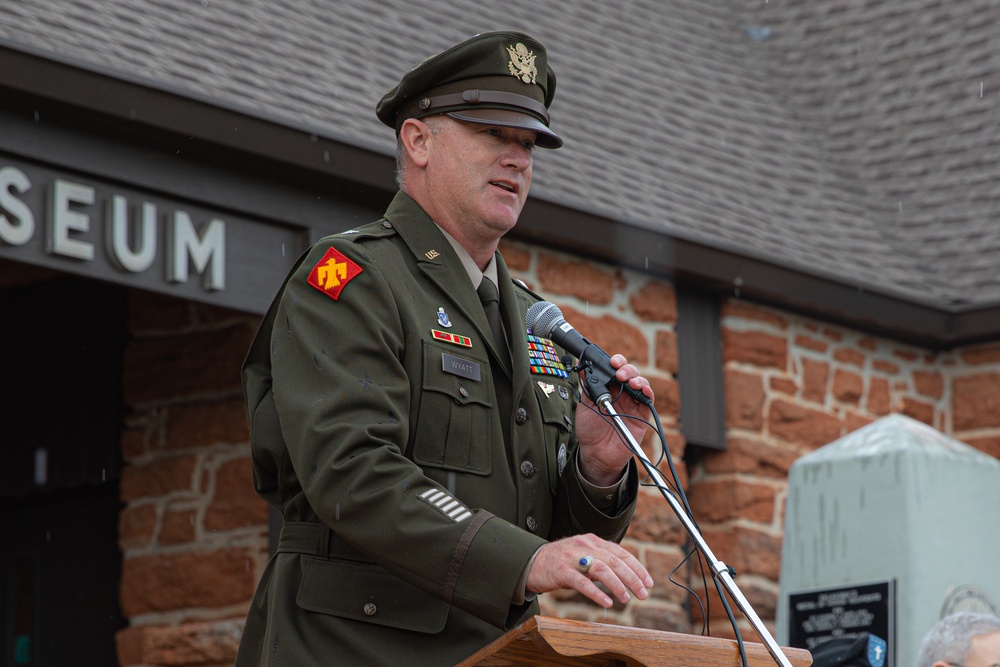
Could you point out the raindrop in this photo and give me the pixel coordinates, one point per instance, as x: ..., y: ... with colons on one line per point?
x: 41, y: 466
x: 326, y: 156
x: 104, y: 474
x: 980, y: 89
x: 647, y: 262
x: 451, y: 483
x: 48, y: 535
x: 282, y: 249
x: 900, y: 207
x: 36, y: 116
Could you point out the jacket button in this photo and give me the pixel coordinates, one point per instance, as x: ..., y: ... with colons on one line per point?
x: 532, y: 524
x: 370, y: 609
x: 527, y: 468
x: 387, y: 224
x: 520, y: 416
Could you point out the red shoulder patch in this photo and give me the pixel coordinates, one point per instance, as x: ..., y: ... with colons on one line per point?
x: 332, y: 273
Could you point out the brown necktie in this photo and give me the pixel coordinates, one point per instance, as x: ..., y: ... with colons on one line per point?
x: 488, y: 294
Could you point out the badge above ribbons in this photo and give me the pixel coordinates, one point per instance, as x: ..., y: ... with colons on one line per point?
x: 332, y: 273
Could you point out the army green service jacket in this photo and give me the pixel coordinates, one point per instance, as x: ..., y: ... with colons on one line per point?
x: 378, y: 410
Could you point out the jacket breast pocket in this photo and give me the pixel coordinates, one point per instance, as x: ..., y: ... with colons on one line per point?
x: 367, y: 592
x: 557, y: 405
x: 455, y: 418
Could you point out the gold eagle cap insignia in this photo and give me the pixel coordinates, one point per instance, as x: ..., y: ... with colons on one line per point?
x: 522, y: 63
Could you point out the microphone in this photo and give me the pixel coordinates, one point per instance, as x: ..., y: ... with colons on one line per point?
x: 545, y: 319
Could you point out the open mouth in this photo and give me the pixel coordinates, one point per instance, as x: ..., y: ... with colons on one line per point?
x: 505, y: 186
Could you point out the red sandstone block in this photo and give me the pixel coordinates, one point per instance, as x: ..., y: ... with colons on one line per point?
x: 136, y: 526
x: 663, y: 617
x: 976, y: 401
x: 847, y: 387
x: 809, y: 343
x: 984, y: 354
x: 852, y: 357
x: 749, y: 456
x: 744, y: 396
x: 918, y: 410
x: 749, y: 551
x: 666, y: 351
x: 783, y: 385
x: 804, y: 426
x: 235, y: 504
x: 722, y: 500
x: 167, y: 582
x: 155, y: 479
x: 654, y: 521
x: 208, y: 423
x: 185, y: 365
x: 885, y: 367
x: 655, y: 302
x: 178, y: 526
x: 929, y: 383
x: 814, y: 379
x: 879, y: 402
x: 756, y: 348
x: 516, y: 255
x: 188, y: 645
x: 742, y: 309
x: 571, y: 277
x: 612, y: 334
x: 667, y: 397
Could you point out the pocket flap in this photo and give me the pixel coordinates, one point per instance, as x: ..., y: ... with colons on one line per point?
x: 367, y: 592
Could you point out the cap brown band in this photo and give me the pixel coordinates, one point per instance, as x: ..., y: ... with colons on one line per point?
x: 485, y: 97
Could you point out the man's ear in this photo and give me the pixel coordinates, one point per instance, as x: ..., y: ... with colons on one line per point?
x: 415, y: 135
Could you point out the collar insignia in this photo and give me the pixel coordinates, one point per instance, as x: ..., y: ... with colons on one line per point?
x: 432, y: 254
x: 522, y: 63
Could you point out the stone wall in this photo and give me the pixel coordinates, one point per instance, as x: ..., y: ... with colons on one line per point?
x: 194, y: 536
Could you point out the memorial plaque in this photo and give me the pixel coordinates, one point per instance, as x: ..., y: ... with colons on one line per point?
x: 847, y: 611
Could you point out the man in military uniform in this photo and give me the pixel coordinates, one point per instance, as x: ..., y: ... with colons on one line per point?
x: 427, y: 452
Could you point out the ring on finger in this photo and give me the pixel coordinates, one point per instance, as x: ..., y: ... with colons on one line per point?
x: 585, y: 563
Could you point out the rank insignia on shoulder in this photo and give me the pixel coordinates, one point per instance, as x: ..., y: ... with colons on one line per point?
x: 454, y: 339
x: 543, y: 358
x: 443, y: 318
x: 332, y: 273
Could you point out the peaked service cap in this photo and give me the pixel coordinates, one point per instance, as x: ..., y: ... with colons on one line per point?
x: 494, y: 78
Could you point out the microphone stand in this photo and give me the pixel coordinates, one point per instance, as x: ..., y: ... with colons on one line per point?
x: 597, y: 388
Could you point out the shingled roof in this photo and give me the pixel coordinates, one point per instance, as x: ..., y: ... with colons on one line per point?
x: 851, y: 142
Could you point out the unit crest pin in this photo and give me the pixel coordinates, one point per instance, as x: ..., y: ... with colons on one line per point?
x: 443, y: 319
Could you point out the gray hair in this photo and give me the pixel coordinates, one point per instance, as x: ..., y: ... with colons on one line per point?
x: 950, y: 639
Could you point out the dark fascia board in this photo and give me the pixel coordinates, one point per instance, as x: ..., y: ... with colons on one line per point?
x: 695, y: 265
x: 557, y: 224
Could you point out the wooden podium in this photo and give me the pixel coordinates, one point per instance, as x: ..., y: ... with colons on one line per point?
x: 543, y: 641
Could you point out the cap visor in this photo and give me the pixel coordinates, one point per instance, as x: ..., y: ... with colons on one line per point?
x: 507, y: 118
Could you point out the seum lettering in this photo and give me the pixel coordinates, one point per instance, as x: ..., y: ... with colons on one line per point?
x: 87, y: 223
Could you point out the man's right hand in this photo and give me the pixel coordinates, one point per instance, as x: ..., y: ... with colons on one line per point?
x: 558, y: 565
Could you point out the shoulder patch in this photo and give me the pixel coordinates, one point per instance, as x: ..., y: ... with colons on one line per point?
x: 332, y: 273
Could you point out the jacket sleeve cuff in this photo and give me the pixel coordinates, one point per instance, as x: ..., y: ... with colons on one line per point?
x: 497, y: 557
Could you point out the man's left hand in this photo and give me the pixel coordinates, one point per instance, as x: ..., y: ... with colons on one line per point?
x: 603, y: 455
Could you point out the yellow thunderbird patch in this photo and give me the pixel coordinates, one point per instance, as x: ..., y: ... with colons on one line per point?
x: 332, y: 273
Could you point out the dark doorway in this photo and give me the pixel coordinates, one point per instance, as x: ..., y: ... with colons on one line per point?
x: 61, y: 346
